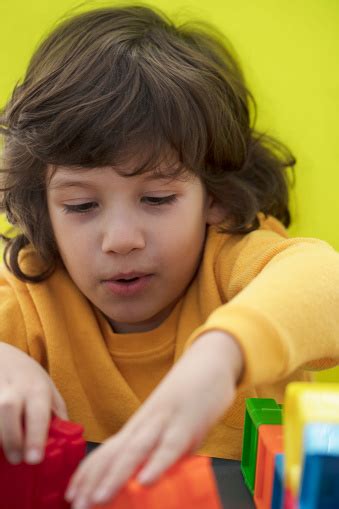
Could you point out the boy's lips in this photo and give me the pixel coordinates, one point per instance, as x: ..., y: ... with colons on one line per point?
x: 128, y: 285
x: 126, y: 275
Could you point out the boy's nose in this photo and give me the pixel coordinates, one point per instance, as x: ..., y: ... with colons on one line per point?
x: 122, y: 237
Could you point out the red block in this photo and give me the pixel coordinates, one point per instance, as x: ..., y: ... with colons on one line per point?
x: 43, y: 486
x: 270, y: 443
x: 189, y: 484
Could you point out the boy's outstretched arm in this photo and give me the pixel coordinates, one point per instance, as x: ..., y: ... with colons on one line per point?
x: 173, y: 421
x: 281, y: 305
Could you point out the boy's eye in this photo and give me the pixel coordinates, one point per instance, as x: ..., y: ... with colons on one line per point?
x: 83, y: 208
x: 156, y: 200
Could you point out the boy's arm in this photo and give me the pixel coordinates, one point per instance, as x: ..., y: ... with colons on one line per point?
x: 282, y: 304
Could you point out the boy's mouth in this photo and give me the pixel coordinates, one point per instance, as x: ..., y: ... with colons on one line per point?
x: 128, y: 285
x: 126, y: 280
x: 127, y: 276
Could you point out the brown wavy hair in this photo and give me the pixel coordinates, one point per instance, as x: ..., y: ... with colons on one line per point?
x: 126, y: 80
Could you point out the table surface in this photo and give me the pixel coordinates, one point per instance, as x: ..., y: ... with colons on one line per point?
x: 231, y: 485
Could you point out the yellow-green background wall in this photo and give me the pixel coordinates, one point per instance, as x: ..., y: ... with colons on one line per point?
x: 289, y: 51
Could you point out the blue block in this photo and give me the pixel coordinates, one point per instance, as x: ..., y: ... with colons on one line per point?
x: 320, y: 479
x: 278, y: 483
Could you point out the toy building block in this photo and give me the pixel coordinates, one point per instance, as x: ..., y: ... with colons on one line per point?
x: 189, y: 484
x: 305, y: 402
x: 319, y: 487
x: 270, y: 443
x: 43, y: 486
x: 278, y: 483
x: 258, y: 411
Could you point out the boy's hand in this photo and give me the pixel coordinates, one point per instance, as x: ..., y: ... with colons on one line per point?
x: 172, y: 422
x: 27, y: 394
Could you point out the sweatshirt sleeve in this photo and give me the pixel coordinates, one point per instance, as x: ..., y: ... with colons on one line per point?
x: 282, y: 304
x: 12, y: 324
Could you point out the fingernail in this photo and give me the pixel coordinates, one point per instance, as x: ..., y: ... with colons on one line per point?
x: 33, y: 456
x: 80, y: 504
x: 69, y: 494
x: 14, y: 457
x: 145, y: 478
x: 101, y: 495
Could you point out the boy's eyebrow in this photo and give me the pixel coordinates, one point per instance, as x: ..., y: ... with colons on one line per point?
x: 64, y: 183
x: 70, y: 183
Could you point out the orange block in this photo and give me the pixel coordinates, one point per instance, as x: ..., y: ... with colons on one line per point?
x: 189, y: 484
x: 270, y: 443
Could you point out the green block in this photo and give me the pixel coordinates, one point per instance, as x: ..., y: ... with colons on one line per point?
x: 258, y: 411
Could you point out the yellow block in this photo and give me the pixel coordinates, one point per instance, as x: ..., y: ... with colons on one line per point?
x: 305, y: 402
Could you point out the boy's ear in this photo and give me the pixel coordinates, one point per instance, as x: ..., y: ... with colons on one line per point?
x: 215, y: 213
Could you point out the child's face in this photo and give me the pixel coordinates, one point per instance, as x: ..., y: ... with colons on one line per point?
x: 151, y: 226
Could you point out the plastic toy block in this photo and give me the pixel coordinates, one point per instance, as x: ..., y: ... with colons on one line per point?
x: 42, y: 486
x: 258, y: 411
x: 305, y: 403
x: 189, y: 484
x: 278, y: 483
x: 270, y: 443
x: 319, y: 483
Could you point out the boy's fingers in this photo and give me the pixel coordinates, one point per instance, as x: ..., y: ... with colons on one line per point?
x: 37, y: 417
x: 118, y: 474
x: 88, y: 473
x: 100, y: 488
x: 102, y: 466
x: 172, y: 447
x: 11, y: 407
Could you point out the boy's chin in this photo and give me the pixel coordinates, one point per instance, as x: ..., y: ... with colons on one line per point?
x: 124, y: 322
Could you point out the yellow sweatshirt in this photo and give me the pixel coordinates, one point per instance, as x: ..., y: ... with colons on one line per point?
x: 278, y: 296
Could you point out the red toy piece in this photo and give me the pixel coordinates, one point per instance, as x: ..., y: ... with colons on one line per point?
x: 43, y: 486
x: 189, y: 484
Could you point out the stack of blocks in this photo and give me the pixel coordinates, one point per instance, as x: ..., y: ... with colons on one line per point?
x: 290, y: 455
